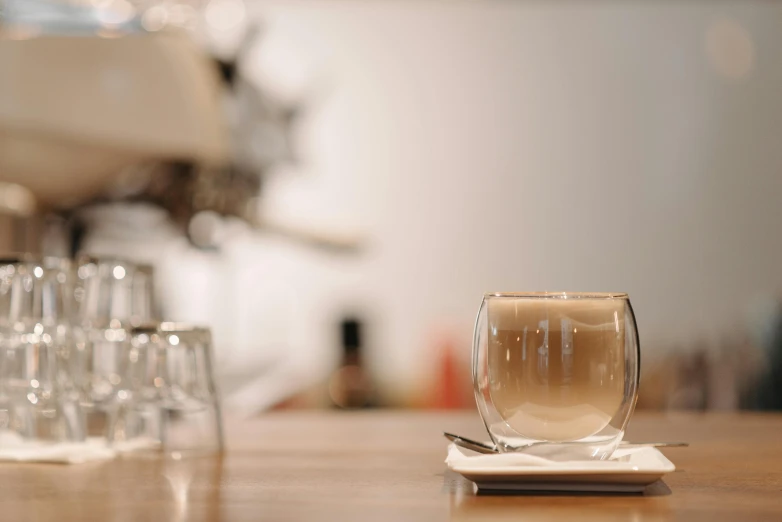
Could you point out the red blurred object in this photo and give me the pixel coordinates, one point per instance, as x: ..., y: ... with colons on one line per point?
x: 452, y: 387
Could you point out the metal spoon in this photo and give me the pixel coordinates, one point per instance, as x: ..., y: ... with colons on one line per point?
x: 482, y: 447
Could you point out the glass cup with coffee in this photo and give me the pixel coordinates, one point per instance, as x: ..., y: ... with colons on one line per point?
x: 556, y: 374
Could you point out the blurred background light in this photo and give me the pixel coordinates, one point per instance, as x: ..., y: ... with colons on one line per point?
x: 224, y: 15
x: 730, y: 48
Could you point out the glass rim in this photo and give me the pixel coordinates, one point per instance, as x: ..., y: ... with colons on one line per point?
x: 186, y: 330
x: 178, y: 327
x: 83, y: 258
x: 557, y: 295
x: 47, y: 262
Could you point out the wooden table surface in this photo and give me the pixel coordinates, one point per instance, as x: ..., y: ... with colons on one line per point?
x: 377, y: 466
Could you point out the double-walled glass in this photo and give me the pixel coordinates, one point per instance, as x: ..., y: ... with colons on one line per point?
x: 556, y: 374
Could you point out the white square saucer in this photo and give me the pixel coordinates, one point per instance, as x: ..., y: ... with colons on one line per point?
x: 630, y: 470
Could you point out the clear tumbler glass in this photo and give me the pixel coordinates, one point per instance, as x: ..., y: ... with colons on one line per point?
x: 38, y: 397
x: 112, y: 295
x: 556, y: 374
x: 172, y: 372
x: 111, y: 289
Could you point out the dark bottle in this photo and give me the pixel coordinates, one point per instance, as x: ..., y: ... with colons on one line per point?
x: 350, y: 385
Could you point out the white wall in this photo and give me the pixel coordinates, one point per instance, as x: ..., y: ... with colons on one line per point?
x: 624, y: 146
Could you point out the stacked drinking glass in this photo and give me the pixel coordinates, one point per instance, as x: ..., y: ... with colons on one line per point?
x: 85, y: 358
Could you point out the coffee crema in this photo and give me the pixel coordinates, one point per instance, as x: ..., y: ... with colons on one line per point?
x: 556, y: 366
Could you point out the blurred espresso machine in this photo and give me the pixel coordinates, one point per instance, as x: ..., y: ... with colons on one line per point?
x: 127, y: 128
x: 88, y: 95
x: 134, y: 100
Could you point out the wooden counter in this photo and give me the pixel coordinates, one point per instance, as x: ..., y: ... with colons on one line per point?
x: 389, y: 466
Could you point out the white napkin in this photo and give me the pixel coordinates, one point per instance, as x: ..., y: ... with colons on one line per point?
x: 13, y: 448
x: 466, y: 459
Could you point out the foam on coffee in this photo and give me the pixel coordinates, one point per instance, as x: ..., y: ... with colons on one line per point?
x: 556, y: 366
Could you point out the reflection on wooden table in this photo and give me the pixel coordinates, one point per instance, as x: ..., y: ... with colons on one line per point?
x: 389, y: 466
